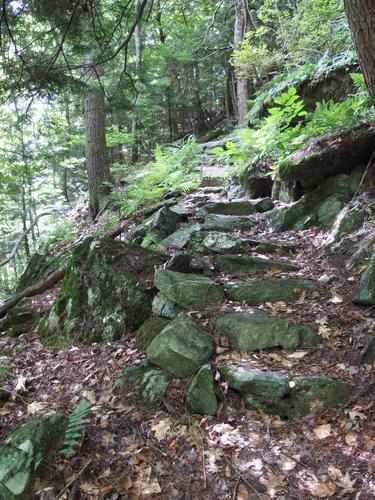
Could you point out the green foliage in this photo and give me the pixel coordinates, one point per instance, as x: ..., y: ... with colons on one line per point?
x: 309, y: 72
x: 16, y: 463
x: 4, y: 369
x: 62, y: 232
x: 174, y: 167
x: 76, y: 428
x: 273, y: 137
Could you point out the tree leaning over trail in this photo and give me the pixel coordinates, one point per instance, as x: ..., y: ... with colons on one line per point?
x: 361, y: 16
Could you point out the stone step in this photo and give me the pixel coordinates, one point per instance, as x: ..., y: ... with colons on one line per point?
x: 189, y: 291
x: 258, y: 291
x: 181, y: 348
x: 254, y: 330
x: 274, y: 393
x: 245, y: 264
x: 180, y: 238
x: 215, y: 242
x: 214, y: 222
x: 236, y: 207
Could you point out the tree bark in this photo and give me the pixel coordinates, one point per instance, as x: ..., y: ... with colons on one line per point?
x: 97, y: 158
x: 241, y: 27
x: 361, y: 16
x: 138, y: 62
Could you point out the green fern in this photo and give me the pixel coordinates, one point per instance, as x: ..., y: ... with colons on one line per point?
x: 4, y: 370
x: 76, y: 428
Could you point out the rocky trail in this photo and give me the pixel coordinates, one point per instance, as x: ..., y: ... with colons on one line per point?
x: 250, y: 379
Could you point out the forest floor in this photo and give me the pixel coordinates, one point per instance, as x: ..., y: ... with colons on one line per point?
x: 134, y: 450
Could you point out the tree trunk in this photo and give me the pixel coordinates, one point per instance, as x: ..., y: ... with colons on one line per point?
x: 138, y: 62
x: 240, y: 29
x: 97, y: 159
x: 361, y: 16
x: 68, y: 134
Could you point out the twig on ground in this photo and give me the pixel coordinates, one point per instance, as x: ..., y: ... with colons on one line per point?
x: 74, y: 479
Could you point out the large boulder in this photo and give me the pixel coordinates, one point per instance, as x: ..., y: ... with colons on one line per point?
x: 244, y: 264
x: 181, y: 348
x: 329, y: 156
x: 24, y: 450
x: 258, y: 291
x: 107, y: 292
x: 319, y: 207
x: 254, y: 329
x: 190, y: 291
x: 201, y: 397
x: 365, y: 293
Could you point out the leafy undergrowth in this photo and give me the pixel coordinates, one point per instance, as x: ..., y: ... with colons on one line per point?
x: 134, y: 450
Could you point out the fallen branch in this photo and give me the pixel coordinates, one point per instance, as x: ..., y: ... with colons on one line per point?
x: 25, y: 233
x: 32, y: 290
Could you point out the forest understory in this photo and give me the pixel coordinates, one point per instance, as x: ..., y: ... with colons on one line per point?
x: 187, y: 249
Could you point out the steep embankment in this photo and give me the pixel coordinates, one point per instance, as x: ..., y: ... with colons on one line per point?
x: 250, y: 323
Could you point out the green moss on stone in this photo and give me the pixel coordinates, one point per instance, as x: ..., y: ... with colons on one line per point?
x: 149, y: 330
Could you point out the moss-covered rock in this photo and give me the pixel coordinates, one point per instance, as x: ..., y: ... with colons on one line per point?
x: 336, y: 155
x: 107, y: 292
x: 349, y: 220
x: 234, y: 207
x: 201, y: 396
x: 149, y: 330
x: 243, y: 264
x: 365, y: 293
x: 180, y: 238
x: 268, y: 386
x: 216, y: 242
x: 163, y: 223
x: 320, y: 207
x: 254, y: 329
x: 215, y: 222
x: 309, y: 394
x: 29, y: 446
x: 270, y: 290
x: 181, y: 348
x: 164, y: 307
x: 189, y: 291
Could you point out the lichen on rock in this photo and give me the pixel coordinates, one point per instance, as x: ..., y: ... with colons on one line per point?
x: 107, y: 292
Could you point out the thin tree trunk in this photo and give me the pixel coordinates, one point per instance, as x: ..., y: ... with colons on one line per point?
x: 97, y: 159
x: 138, y: 62
x: 240, y: 29
x: 68, y: 135
x: 361, y: 16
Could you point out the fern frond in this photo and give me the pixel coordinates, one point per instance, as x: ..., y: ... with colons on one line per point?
x: 75, y: 428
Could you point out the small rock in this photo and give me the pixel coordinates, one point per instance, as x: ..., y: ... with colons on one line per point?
x: 201, y: 396
x: 181, y: 348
